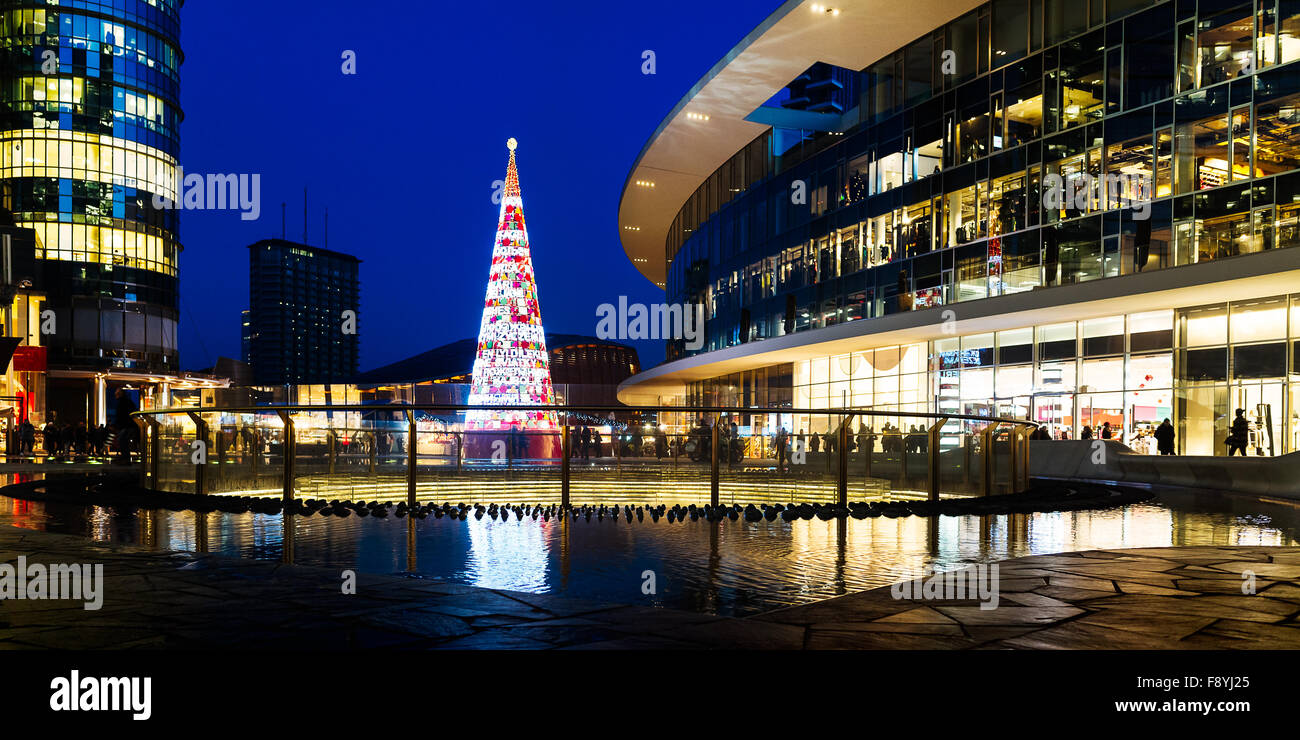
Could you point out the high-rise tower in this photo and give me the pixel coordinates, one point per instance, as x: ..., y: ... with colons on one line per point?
x: 303, y: 304
x: 89, y: 134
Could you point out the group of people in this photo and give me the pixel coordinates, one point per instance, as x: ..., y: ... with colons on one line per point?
x: 892, y: 439
x: 914, y: 439
x: 1102, y: 432
x: 584, y: 439
x: 588, y: 441
x: 731, y: 443
x: 1165, y: 436
x: 63, y: 440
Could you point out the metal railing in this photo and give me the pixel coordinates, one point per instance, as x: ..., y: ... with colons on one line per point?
x: 377, y: 452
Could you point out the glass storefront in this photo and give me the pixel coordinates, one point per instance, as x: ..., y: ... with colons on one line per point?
x: 1194, y: 366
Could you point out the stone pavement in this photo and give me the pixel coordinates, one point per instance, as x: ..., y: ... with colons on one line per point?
x: 1161, y: 598
x: 1153, y: 598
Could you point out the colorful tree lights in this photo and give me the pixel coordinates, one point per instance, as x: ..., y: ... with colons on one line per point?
x: 511, y: 365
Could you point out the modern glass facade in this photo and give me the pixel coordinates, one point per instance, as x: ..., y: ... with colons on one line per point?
x: 90, y: 111
x: 935, y: 197
x: 934, y: 192
x: 1195, y: 366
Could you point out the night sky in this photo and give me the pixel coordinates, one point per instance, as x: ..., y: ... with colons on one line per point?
x: 404, y: 153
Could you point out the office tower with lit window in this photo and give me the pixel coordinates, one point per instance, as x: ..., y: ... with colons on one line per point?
x: 302, y: 323
x: 89, y: 134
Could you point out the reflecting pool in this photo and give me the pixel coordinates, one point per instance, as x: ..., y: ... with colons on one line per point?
x: 734, y: 568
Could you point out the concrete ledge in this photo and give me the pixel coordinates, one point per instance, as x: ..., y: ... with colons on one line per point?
x: 1265, y: 476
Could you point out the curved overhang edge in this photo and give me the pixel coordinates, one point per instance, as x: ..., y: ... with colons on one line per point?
x: 686, y: 99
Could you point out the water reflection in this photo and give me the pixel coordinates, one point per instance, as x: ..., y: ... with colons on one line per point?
x: 726, y: 568
x: 510, y: 554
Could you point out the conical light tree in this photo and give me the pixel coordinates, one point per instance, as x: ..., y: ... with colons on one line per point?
x: 511, y: 367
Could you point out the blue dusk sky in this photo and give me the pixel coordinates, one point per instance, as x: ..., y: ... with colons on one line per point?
x: 404, y: 153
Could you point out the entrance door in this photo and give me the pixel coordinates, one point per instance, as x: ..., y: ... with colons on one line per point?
x: 1202, y: 418
x: 1098, y: 409
x: 1262, y: 401
x: 1056, y: 410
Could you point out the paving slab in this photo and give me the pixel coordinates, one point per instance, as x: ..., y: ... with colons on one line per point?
x: 1148, y: 598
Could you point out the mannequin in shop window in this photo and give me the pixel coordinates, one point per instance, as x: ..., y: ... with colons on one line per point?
x: 1142, y: 245
x: 1051, y: 256
x: 905, y: 298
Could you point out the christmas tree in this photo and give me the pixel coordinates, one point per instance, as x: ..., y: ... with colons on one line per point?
x: 511, y: 367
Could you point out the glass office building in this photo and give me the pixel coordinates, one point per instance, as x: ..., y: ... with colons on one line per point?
x: 301, y: 326
x: 90, y: 134
x: 914, y: 253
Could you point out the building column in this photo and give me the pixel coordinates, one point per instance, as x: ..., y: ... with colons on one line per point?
x: 164, y: 400
x: 99, y: 400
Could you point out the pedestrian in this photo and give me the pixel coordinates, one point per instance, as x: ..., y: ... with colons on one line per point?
x: 27, y: 437
x: 1240, y: 434
x: 780, y: 442
x: 125, y: 407
x: 1105, y: 430
x: 637, y: 441
x: 1164, y: 435
x: 585, y: 435
x: 1087, y: 432
x: 518, y: 443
